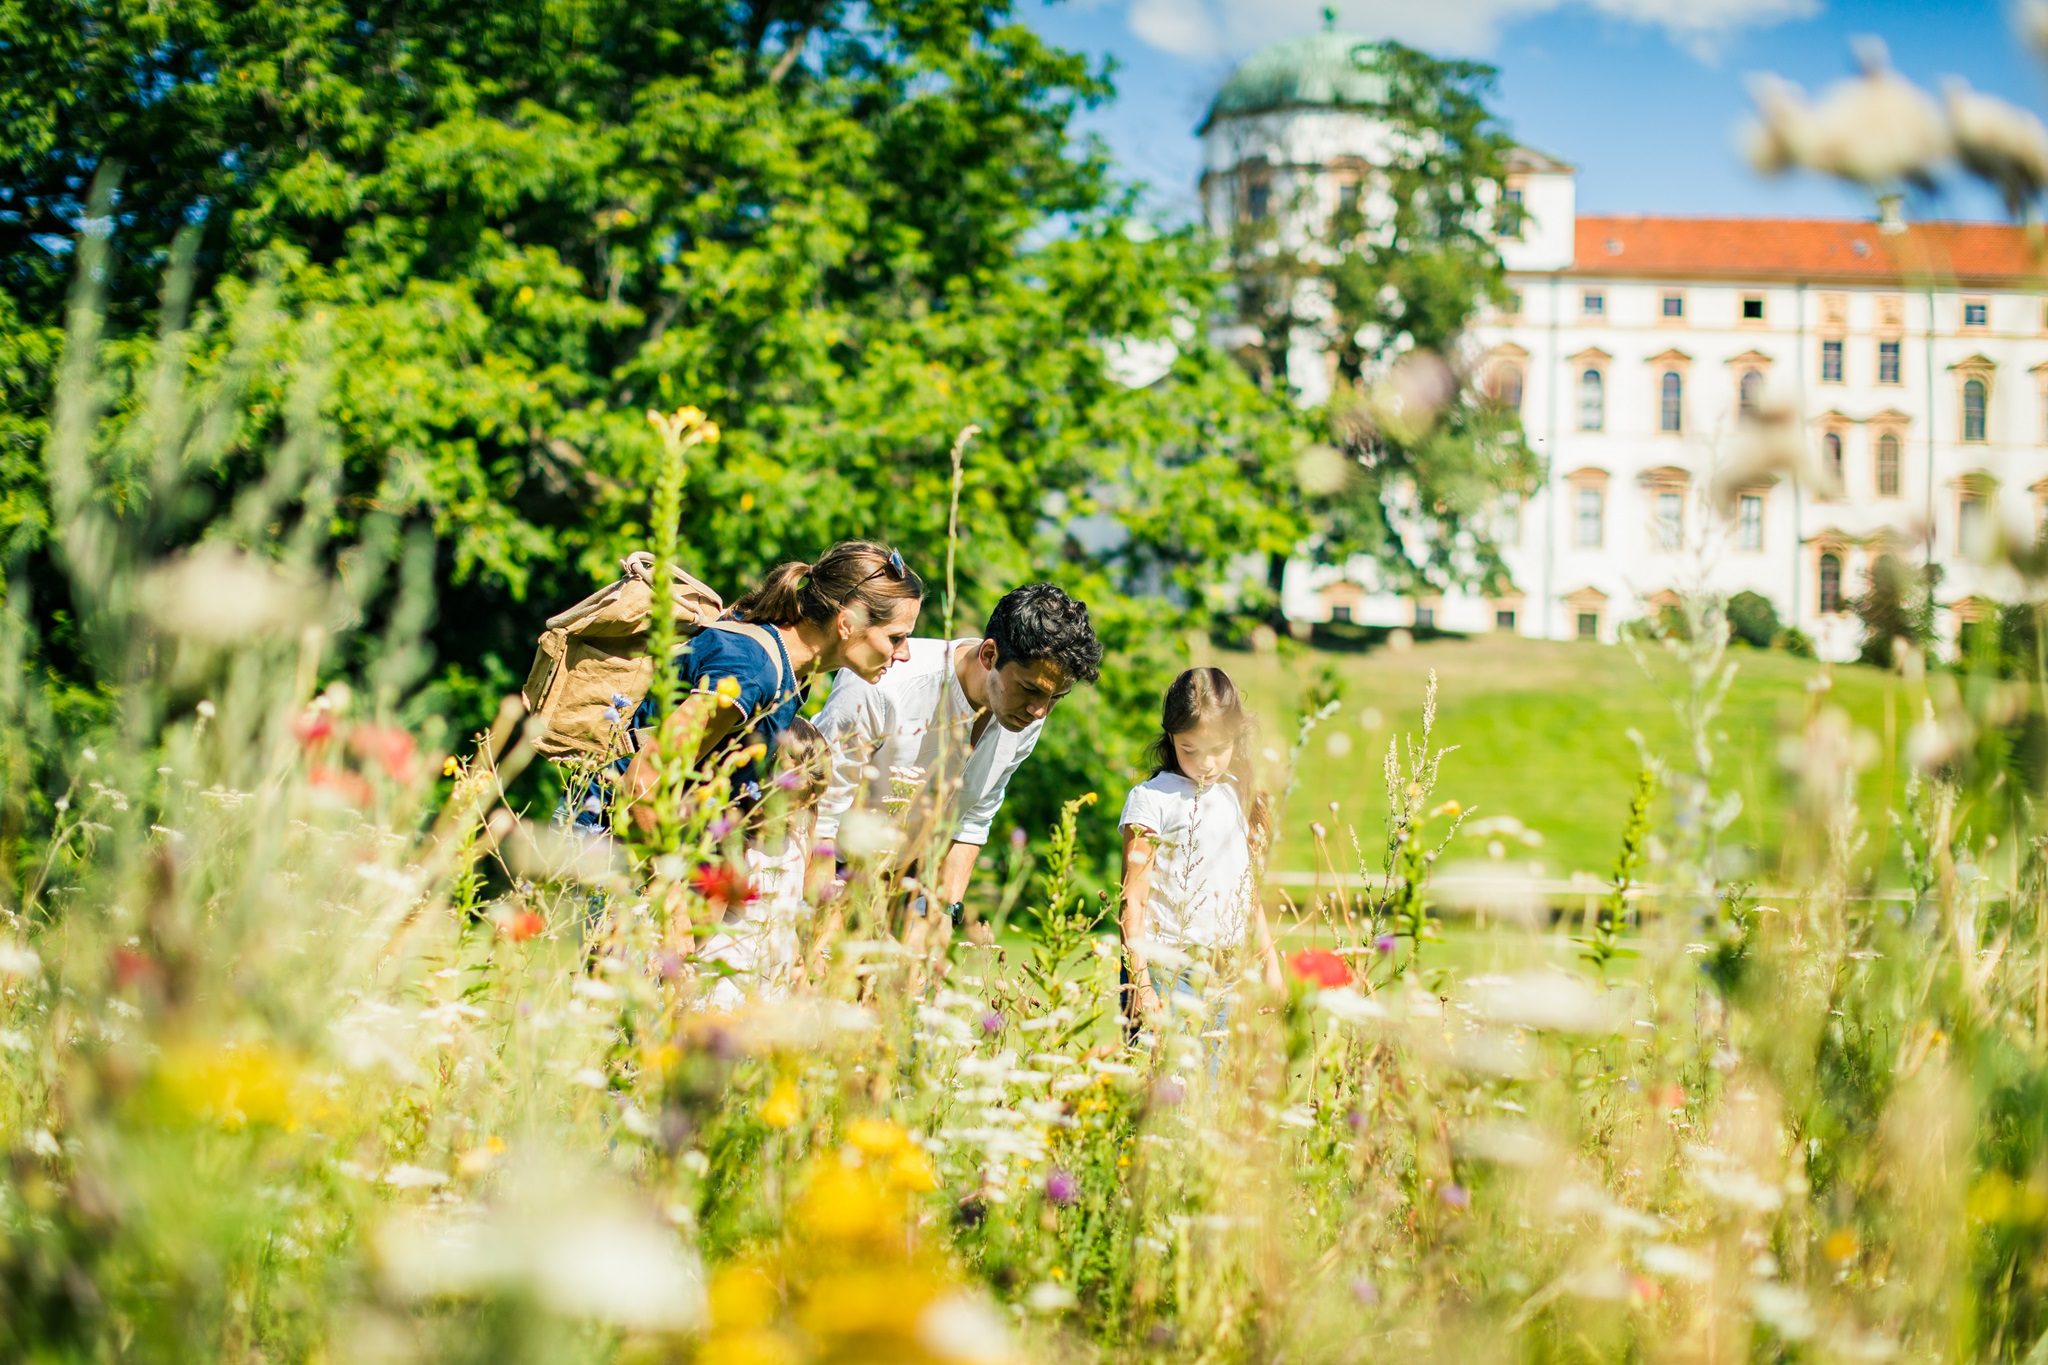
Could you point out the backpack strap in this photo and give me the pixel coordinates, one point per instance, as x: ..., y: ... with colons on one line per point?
x: 755, y: 633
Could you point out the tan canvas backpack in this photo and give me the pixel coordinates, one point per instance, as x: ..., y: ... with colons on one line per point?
x: 597, y: 650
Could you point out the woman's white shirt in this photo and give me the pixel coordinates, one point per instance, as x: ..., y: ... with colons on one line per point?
x: 760, y: 944
x: 1200, y: 893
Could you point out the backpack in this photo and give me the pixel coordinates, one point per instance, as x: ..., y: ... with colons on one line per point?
x: 596, y: 651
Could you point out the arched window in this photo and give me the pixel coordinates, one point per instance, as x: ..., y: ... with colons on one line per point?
x: 1973, y: 409
x: 1831, y: 456
x: 1671, y: 402
x: 1510, y: 387
x: 1888, y: 466
x: 1592, y: 401
x: 1830, y: 584
x: 1749, y: 392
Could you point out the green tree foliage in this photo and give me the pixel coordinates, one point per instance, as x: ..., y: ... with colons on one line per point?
x: 506, y: 232
x: 1416, y: 456
x: 1898, y: 604
x: 1752, y: 619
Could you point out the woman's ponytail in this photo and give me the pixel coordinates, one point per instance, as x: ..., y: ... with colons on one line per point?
x: 853, y: 573
x: 778, y: 600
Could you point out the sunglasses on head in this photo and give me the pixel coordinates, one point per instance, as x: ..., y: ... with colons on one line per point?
x: 892, y: 566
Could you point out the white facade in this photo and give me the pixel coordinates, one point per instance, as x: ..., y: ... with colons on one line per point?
x: 1630, y: 342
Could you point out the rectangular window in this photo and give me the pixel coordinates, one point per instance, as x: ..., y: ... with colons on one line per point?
x: 1513, y: 304
x: 1504, y: 619
x: 1970, y: 526
x: 1976, y: 313
x: 1258, y: 200
x: 1749, y: 521
x: 1593, y: 304
x: 1589, y: 625
x: 1753, y: 308
x: 1425, y: 618
x: 1887, y: 362
x: 1831, y: 362
x: 1517, y: 218
x: 1670, y: 520
x: 1589, y: 514
x: 1340, y: 614
x: 1674, y: 306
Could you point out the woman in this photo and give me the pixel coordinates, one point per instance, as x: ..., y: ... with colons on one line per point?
x: 746, y: 674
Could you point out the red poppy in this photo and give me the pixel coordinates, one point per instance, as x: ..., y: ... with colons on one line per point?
x: 1319, y: 967
x: 721, y: 884
x: 1670, y: 1096
x: 522, y: 925
x: 350, y: 787
x: 133, y: 968
x: 313, y: 728
x: 389, y: 747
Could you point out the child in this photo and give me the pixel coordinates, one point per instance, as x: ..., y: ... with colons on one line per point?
x: 759, y: 939
x: 1193, y: 834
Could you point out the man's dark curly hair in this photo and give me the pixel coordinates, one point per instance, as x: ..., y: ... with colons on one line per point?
x: 1038, y: 621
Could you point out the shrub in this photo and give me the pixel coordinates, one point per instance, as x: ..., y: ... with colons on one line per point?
x: 1753, y: 619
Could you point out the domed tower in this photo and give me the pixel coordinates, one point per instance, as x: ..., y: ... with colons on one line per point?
x: 1289, y: 141
x: 1295, y: 136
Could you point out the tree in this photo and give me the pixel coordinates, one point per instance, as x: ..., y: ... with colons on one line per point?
x: 505, y: 233
x: 1413, y: 456
x: 1752, y: 619
x: 1897, y: 605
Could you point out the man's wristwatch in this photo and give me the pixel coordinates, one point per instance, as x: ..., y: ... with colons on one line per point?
x: 958, y: 912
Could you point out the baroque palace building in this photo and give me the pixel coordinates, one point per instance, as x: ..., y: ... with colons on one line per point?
x: 1914, y: 355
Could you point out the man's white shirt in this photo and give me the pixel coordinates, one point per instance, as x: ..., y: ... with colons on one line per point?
x: 918, y: 718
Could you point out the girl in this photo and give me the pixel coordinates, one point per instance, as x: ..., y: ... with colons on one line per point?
x: 759, y: 939
x: 1193, y: 835
x: 745, y: 675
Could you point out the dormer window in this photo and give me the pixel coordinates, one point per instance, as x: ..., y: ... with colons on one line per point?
x: 1672, y: 308
x: 1976, y: 313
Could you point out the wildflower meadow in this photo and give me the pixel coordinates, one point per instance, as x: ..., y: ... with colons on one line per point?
x: 324, y: 1037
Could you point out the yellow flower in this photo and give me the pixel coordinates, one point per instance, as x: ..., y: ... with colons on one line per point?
x: 708, y: 433
x: 689, y: 416
x: 234, y: 1085
x: 742, y: 1296
x: 481, y: 1157
x: 755, y: 1346
x: 658, y: 1059
x: 728, y: 690
x: 877, y: 1137
x: 524, y: 296
x: 842, y: 1204
x: 911, y: 1169
x: 783, y: 1107
x: 746, y: 502
x: 1840, y: 1245
x: 870, y: 1304
x: 449, y: 767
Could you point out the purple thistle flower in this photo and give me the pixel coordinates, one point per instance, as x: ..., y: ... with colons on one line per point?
x: 1018, y: 838
x: 1383, y: 945
x: 1455, y: 1196
x: 789, y: 779
x: 1355, y: 1120
x: 1168, y: 1093
x: 719, y: 828
x: 1365, y: 1291
x: 992, y: 1023
x: 1061, y: 1188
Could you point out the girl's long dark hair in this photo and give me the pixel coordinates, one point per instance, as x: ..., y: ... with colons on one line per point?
x: 1205, y: 694
x: 853, y: 573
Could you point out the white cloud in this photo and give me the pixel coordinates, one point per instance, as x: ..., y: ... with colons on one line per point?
x: 1184, y: 28
x: 1215, y: 28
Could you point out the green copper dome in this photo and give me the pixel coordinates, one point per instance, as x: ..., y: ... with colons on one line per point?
x: 1327, y: 70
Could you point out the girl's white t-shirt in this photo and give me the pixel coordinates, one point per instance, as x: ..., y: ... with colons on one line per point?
x: 760, y: 945
x: 1201, y: 892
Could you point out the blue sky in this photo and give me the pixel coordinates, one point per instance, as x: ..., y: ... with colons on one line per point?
x: 1645, y: 97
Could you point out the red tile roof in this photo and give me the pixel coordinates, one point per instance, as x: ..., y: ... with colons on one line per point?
x: 1833, y: 250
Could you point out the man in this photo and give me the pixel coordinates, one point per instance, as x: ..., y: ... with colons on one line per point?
x: 961, y: 715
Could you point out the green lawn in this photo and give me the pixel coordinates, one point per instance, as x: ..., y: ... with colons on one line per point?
x: 1543, y: 735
